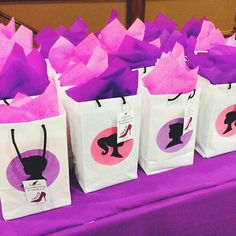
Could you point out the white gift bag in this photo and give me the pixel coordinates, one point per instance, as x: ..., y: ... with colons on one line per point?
x: 100, y: 161
x: 216, y: 133
x: 34, y: 167
x: 166, y: 140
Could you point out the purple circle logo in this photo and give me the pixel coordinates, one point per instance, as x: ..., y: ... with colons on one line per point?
x: 170, y: 137
x: 32, y: 166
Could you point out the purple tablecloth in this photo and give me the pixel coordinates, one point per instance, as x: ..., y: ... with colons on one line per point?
x: 192, y: 200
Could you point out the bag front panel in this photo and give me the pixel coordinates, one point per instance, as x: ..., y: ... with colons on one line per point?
x: 217, y: 120
x: 168, y: 147
x: 29, y: 138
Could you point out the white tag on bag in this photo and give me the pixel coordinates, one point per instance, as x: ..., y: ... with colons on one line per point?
x: 188, y: 116
x: 125, y: 126
x: 36, y: 191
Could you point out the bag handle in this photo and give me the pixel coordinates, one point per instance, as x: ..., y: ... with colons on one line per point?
x: 44, y: 142
x: 192, y: 95
x: 172, y: 99
x: 123, y: 99
x: 14, y: 144
x: 99, y: 104
x: 144, y: 70
x: 6, y: 102
x: 189, y: 97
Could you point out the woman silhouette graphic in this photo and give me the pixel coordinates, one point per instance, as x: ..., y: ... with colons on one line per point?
x: 175, y: 133
x: 110, y: 141
x: 229, y: 119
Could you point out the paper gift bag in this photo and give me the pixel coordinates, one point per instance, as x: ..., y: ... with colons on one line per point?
x: 217, y: 119
x: 100, y: 161
x: 33, y: 167
x: 167, y: 141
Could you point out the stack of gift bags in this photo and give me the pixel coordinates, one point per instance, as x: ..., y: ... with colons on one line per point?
x: 104, y: 102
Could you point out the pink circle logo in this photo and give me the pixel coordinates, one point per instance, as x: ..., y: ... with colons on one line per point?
x: 170, y: 137
x: 32, y: 166
x: 105, y: 149
x: 226, y: 122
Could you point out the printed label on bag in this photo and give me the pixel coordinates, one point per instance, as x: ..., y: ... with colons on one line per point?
x: 188, y: 117
x: 125, y: 126
x: 36, y: 191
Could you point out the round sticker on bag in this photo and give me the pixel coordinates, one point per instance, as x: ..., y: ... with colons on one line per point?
x: 105, y: 149
x: 226, y: 122
x: 32, y: 166
x: 170, y: 137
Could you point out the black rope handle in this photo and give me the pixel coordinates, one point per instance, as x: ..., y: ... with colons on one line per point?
x: 192, y: 95
x: 230, y: 85
x: 172, y: 99
x: 144, y: 70
x: 123, y: 99
x: 14, y: 144
x: 44, y: 142
x: 99, y: 104
x: 6, y: 102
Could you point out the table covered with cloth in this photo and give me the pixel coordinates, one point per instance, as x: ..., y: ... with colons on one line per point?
x: 191, y: 200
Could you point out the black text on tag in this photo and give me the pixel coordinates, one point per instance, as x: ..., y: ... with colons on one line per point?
x: 36, y: 191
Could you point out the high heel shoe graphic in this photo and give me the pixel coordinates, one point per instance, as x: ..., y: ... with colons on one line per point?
x: 189, y: 122
x: 128, y: 129
x: 40, y: 197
